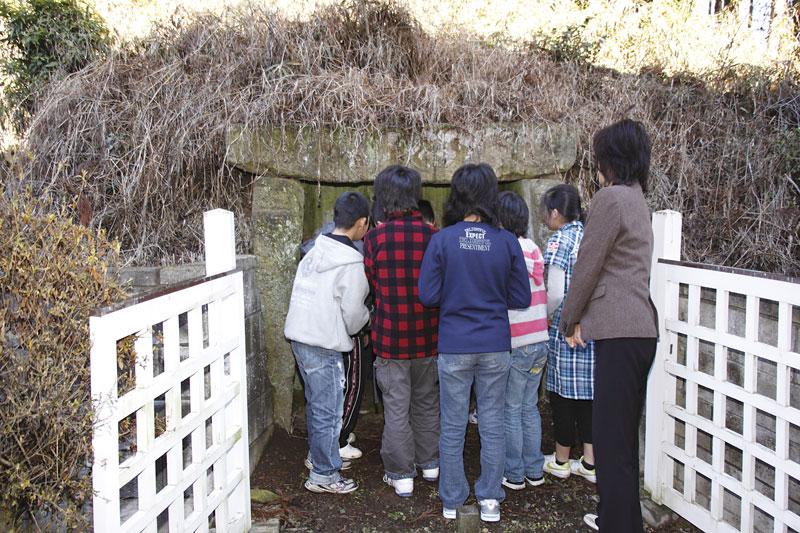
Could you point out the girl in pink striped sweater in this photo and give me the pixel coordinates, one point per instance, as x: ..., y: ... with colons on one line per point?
x: 523, y: 424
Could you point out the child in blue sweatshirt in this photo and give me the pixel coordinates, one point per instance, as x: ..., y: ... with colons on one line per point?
x: 474, y: 272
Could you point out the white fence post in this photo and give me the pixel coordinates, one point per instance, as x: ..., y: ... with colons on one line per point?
x: 220, y: 241
x: 666, y: 245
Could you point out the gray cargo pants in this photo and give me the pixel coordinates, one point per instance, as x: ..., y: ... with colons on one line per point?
x: 410, y: 439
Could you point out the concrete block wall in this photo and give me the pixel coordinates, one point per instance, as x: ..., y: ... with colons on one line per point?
x: 139, y: 280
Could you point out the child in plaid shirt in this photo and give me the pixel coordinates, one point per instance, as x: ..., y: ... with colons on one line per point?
x: 570, y: 375
x: 404, y: 333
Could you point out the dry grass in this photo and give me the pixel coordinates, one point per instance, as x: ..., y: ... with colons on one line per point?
x: 145, y: 128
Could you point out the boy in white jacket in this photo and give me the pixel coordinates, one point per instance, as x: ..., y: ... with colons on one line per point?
x: 326, y: 309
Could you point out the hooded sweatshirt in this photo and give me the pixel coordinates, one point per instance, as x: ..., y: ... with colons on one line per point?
x: 327, y: 304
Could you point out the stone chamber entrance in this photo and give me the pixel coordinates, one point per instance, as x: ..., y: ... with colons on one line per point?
x: 299, y: 173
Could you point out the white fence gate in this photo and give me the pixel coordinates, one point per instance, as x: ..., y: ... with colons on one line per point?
x: 723, y: 406
x: 170, y: 442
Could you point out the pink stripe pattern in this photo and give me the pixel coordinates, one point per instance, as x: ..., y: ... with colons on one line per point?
x: 529, y: 326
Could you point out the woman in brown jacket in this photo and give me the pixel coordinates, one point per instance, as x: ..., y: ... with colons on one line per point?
x: 609, y: 303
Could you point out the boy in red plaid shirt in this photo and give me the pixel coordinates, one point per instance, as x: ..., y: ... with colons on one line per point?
x: 404, y: 332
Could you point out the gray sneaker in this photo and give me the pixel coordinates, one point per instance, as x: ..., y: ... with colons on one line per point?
x: 343, y: 486
x: 490, y: 510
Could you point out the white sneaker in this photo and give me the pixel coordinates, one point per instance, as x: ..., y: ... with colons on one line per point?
x: 473, y: 417
x: 577, y: 468
x: 513, y: 485
x: 343, y: 486
x: 350, y: 452
x: 430, y: 474
x: 490, y: 510
x: 591, y: 521
x: 555, y: 469
x: 450, y: 514
x: 351, y: 438
x: 402, y: 487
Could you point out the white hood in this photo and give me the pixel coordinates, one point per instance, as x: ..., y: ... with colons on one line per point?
x: 328, y: 294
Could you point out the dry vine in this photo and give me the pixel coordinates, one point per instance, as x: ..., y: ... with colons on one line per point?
x: 146, y: 126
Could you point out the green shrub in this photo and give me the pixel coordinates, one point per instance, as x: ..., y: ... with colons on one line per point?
x: 569, y: 45
x: 43, y: 38
x: 53, y: 275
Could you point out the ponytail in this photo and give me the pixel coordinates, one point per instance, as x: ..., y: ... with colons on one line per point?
x: 566, y: 200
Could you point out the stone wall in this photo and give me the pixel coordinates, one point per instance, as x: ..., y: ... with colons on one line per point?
x: 515, y: 151
x: 259, y: 391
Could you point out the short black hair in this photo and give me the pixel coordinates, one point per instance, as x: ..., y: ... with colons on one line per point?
x: 622, y: 153
x: 513, y: 213
x: 566, y: 199
x: 398, y: 188
x: 473, y: 191
x: 349, y: 207
x: 426, y: 210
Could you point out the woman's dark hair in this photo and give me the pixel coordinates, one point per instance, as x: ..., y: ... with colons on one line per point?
x: 397, y: 188
x: 513, y: 213
x: 622, y: 153
x: 566, y: 199
x: 349, y: 207
x: 473, y: 191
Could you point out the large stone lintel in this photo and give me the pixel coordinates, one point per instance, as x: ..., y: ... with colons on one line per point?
x: 514, y: 150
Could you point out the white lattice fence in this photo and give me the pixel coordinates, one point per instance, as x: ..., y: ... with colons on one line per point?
x: 170, y: 443
x: 723, y: 413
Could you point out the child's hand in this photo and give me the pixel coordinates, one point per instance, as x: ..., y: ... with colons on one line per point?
x: 576, y: 338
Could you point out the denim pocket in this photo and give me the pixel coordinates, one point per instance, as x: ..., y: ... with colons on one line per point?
x: 539, y: 352
x: 521, y: 361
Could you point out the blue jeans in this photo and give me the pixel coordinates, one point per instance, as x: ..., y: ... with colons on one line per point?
x: 489, y: 371
x: 322, y: 371
x: 523, y: 422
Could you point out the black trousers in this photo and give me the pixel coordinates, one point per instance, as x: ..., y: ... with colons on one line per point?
x: 568, y: 414
x: 621, y: 368
x: 356, y: 368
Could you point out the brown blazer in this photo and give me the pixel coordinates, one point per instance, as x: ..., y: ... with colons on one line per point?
x: 609, y: 294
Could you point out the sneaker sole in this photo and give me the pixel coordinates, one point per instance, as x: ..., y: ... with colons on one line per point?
x: 449, y: 514
x: 490, y: 518
x: 558, y: 473
x: 534, y: 482
x: 431, y: 479
x: 513, y: 486
x: 350, y: 457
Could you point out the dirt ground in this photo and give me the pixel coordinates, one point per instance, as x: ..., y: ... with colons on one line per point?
x: 556, y: 506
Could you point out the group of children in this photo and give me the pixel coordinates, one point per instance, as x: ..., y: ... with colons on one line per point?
x: 461, y: 308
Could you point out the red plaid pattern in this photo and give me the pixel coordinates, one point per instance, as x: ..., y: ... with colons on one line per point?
x: 402, y: 328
